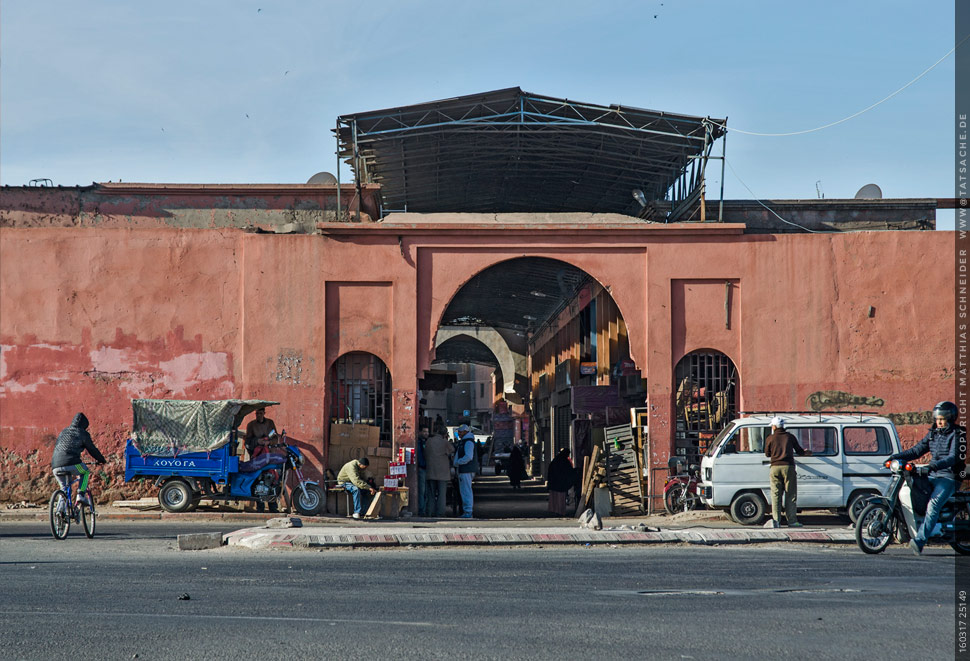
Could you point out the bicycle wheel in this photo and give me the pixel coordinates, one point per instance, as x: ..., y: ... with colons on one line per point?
x: 89, y: 519
x: 60, y: 516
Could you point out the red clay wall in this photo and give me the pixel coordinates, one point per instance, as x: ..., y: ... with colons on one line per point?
x: 92, y: 317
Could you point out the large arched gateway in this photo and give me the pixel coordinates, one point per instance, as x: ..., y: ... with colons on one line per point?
x: 256, y: 291
x: 561, y: 351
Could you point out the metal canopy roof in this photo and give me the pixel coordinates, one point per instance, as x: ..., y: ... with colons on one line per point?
x: 512, y: 151
x: 518, y: 294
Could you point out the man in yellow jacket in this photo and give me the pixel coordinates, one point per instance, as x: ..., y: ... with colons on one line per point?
x: 351, y: 478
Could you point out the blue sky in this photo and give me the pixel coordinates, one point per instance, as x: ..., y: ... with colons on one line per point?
x: 160, y: 91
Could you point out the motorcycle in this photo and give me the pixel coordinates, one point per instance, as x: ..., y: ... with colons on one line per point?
x: 898, y: 513
x: 680, y: 489
x: 191, y: 448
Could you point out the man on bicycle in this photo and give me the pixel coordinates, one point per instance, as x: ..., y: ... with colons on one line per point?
x: 67, y: 455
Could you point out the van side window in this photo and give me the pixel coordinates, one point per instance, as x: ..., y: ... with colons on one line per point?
x: 866, y: 440
x: 820, y: 441
x: 750, y: 439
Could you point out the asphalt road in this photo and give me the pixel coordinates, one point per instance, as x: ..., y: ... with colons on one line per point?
x: 117, y: 596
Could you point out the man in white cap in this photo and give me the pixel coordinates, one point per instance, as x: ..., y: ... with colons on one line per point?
x: 781, y: 447
x: 466, y: 464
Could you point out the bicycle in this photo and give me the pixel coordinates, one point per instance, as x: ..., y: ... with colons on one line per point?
x: 62, y: 513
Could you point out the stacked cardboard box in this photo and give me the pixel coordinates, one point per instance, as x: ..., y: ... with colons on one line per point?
x: 355, y: 441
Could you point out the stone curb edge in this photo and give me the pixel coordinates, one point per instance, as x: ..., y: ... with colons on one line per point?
x: 258, y: 539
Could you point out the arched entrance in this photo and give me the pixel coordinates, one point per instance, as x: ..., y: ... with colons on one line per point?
x: 360, y: 392
x: 360, y: 413
x: 561, y: 334
x: 706, y: 387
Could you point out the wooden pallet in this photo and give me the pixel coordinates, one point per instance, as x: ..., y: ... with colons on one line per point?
x: 623, y: 471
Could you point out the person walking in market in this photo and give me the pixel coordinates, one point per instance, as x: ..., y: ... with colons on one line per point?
x: 516, y: 467
x: 437, y: 453
x: 560, y: 478
x: 781, y: 447
x: 422, y: 461
x: 466, y: 463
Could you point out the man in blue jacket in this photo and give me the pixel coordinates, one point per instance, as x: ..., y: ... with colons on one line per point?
x: 946, y: 441
x: 466, y: 463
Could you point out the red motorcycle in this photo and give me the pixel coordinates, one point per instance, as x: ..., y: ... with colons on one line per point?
x: 680, y: 489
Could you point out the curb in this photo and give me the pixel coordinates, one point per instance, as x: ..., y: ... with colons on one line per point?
x: 262, y: 538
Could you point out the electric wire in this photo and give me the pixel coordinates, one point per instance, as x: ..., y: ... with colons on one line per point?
x: 755, y: 197
x: 853, y: 116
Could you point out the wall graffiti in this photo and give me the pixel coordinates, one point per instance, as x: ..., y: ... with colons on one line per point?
x: 829, y: 400
x: 405, y: 408
x: 911, y: 418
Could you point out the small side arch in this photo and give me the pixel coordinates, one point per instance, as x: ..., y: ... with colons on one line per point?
x: 706, y: 387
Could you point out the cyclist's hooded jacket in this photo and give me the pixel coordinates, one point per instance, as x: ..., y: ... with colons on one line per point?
x: 72, y: 441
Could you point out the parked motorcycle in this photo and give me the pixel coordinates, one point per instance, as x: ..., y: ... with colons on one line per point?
x: 680, y: 489
x: 898, y: 513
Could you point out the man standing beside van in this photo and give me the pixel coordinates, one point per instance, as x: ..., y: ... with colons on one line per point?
x: 781, y: 447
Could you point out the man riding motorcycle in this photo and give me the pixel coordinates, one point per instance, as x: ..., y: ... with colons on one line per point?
x: 946, y: 441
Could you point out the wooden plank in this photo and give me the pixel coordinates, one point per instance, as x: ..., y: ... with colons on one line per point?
x: 374, y: 505
x: 588, y: 489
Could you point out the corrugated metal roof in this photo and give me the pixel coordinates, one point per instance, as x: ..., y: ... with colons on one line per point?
x: 510, y: 150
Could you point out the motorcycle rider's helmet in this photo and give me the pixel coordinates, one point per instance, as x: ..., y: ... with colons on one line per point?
x: 946, y: 409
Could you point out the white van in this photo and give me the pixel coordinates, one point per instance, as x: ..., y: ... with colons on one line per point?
x: 846, y: 466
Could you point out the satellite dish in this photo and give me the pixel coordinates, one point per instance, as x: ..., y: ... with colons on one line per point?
x: 324, y: 178
x: 869, y: 192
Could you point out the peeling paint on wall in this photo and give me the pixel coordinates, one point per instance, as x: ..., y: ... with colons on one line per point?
x: 289, y: 366
x: 43, y: 384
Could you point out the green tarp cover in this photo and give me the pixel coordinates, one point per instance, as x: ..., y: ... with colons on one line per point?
x: 169, y: 427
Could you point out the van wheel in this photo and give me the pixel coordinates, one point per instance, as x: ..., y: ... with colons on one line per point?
x: 748, y: 509
x: 857, y: 503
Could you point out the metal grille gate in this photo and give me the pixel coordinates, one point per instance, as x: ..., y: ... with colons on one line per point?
x: 360, y: 390
x: 706, y: 387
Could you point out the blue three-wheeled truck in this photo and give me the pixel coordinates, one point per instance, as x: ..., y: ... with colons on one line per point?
x: 191, y: 449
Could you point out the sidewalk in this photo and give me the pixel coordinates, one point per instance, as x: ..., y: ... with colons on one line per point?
x: 701, y: 527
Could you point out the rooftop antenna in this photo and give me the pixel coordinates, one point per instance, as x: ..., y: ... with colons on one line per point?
x: 818, y: 190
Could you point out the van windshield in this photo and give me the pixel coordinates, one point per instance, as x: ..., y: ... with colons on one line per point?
x: 724, y: 433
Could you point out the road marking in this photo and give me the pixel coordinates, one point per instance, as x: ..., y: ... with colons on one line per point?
x: 197, y: 616
x: 728, y: 592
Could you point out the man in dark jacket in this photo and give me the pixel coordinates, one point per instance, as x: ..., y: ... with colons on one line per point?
x: 946, y: 441
x: 66, y: 461
x: 781, y: 447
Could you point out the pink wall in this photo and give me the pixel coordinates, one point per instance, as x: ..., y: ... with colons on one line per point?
x: 92, y: 317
